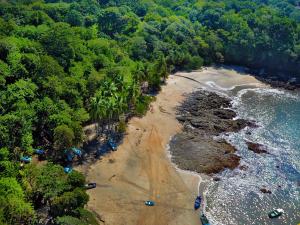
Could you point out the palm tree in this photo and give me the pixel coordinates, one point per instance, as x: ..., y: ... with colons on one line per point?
x: 99, y: 109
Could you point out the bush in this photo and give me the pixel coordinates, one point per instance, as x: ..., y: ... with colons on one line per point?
x: 69, y: 220
x: 69, y: 201
x: 142, y: 105
x: 122, y: 124
x: 13, y: 207
x: 76, y: 179
x: 52, y: 181
x: 63, y: 137
x: 8, y: 169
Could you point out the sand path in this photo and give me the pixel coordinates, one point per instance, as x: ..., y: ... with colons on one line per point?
x: 141, y: 169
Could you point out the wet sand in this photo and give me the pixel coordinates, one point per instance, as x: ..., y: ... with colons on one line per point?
x: 141, y: 169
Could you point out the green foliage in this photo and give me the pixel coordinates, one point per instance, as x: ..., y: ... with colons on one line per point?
x: 83, y: 217
x: 49, y: 184
x: 4, y: 154
x: 63, y: 137
x: 13, y: 207
x: 60, y: 43
x: 121, y: 126
x: 68, y: 202
x: 76, y: 179
x: 142, y: 105
x: 74, y: 18
x: 8, y: 169
x: 69, y: 220
x: 51, y: 181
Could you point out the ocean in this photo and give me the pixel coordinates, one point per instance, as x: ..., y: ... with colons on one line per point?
x: 236, y: 199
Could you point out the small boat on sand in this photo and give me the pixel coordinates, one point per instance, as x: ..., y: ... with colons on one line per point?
x: 197, y: 202
x: 90, y: 185
x: 149, y: 203
x: 275, y: 213
x: 204, y: 220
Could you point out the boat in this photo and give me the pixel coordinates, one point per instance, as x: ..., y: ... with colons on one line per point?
x: 197, y: 202
x: 204, y: 220
x: 275, y: 213
x: 149, y: 203
x: 90, y: 185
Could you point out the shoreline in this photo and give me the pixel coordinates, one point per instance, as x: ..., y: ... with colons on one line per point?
x: 141, y: 169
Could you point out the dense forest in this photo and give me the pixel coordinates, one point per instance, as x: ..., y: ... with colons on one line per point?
x: 64, y: 64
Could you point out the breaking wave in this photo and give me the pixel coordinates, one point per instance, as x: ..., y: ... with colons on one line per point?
x: 237, y: 198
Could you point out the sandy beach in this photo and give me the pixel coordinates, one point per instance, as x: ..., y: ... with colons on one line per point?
x: 141, y: 169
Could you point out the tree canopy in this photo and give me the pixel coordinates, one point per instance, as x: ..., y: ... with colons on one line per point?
x: 64, y: 63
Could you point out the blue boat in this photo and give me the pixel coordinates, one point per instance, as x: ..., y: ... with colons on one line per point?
x: 149, y: 203
x: 204, y: 220
x: 112, y: 144
x: 197, y: 202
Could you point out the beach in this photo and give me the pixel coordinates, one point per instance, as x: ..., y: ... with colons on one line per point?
x: 141, y: 168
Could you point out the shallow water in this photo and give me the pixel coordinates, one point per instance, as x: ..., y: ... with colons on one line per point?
x: 237, y: 198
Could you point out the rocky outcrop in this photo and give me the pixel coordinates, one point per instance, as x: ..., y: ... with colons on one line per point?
x: 205, y: 115
x: 257, y: 148
x: 277, y: 82
x: 265, y: 191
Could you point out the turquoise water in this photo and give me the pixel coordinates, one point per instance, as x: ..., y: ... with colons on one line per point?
x: 237, y: 198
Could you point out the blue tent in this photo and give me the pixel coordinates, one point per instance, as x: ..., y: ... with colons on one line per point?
x: 26, y: 159
x: 68, y: 169
x: 77, y: 151
x: 39, y: 151
x: 70, y: 157
x: 112, y: 144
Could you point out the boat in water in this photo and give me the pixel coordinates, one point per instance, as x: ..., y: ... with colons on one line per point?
x: 197, y: 203
x: 204, y: 220
x: 275, y: 213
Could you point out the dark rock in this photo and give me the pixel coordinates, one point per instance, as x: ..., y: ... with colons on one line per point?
x: 216, y: 178
x: 265, y: 191
x: 199, y: 123
x: 252, y: 124
x: 257, y: 148
x: 224, y: 113
x: 243, y: 167
x: 181, y: 118
x: 277, y: 82
x: 196, y: 149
